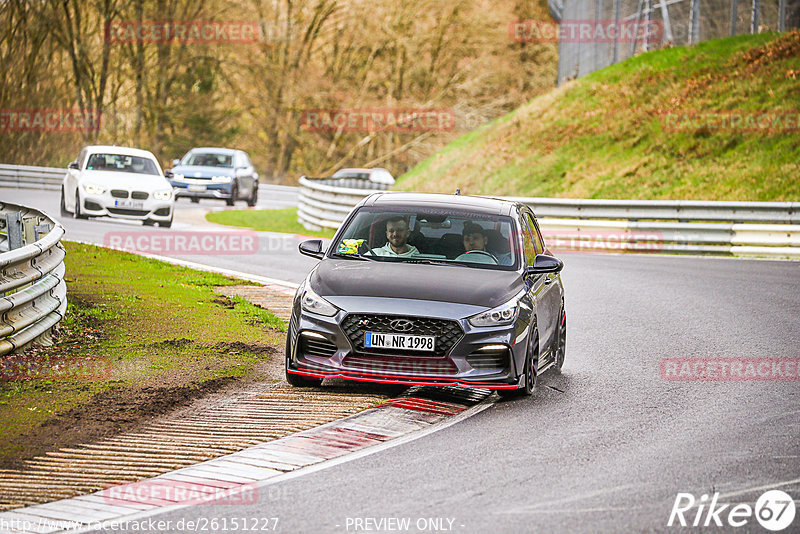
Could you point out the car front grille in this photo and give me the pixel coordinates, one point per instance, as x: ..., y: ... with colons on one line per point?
x: 399, y: 365
x: 119, y: 193
x: 140, y: 195
x: 447, y: 332
x: 124, y: 211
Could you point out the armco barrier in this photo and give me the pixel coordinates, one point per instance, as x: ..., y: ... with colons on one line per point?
x: 33, y: 293
x: 767, y: 229
x: 31, y: 177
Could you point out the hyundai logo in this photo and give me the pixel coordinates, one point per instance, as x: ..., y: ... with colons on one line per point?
x: 401, y: 325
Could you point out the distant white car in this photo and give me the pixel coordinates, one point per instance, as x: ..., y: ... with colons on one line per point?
x: 376, y: 175
x: 113, y: 181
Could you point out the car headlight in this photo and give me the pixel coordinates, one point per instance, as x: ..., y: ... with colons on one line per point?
x: 504, y: 314
x: 163, y: 195
x: 178, y: 177
x: 311, y: 302
x: 94, y: 189
x: 222, y: 179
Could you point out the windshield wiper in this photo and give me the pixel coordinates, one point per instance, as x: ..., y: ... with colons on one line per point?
x: 353, y: 256
x: 427, y: 262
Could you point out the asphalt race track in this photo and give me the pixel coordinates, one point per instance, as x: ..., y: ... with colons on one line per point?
x: 606, y: 446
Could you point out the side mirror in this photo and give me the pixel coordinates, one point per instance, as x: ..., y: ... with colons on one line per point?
x: 74, y: 165
x: 169, y: 174
x: 312, y: 247
x: 545, y: 264
x: 176, y: 162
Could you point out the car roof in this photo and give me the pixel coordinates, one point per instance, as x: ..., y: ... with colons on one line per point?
x: 494, y: 206
x: 215, y: 149
x: 121, y: 150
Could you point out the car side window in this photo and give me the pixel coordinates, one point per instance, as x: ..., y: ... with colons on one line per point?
x: 534, y: 230
x: 527, y: 242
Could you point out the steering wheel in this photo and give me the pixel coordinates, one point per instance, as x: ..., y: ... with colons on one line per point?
x: 369, y: 248
x: 485, y: 253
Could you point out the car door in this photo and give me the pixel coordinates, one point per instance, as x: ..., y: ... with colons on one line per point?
x: 534, y: 283
x: 548, y: 297
x: 245, y: 175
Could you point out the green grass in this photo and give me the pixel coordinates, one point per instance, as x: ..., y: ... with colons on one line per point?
x: 606, y: 136
x: 160, y: 328
x: 283, y: 220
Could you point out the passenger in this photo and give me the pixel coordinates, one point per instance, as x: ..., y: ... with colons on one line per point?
x: 397, y: 233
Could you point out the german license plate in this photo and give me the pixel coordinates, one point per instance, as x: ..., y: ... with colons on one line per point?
x: 377, y: 340
x: 196, y: 188
x: 135, y: 204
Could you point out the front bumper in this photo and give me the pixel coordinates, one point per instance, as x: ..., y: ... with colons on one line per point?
x: 105, y: 205
x: 202, y: 189
x: 319, y: 347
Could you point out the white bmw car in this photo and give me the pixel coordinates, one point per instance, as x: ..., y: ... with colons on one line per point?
x: 113, y: 181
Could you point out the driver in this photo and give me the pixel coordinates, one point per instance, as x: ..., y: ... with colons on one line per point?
x: 475, y: 238
x: 397, y: 232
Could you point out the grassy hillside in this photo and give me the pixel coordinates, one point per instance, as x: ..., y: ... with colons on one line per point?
x: 607, y: 135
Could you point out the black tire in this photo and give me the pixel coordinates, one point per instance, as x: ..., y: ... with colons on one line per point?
x: 148, y: 222
x: 64, y: 212
x: 77, y: 213
x: 298, y: 381
x: 195, y: 200
x: 165, y: 224
x: 529, y: 374
x: 253, y: 200
x: 561, y: 340
x: 234, y: 194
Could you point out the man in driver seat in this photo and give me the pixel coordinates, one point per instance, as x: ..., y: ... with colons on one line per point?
x: 475, y: 238
x: 397, y: 232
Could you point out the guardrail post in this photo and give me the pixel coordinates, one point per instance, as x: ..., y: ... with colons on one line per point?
x: 14, y: 229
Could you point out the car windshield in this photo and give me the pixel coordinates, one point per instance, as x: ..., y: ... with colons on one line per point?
x: 209, y: 159
x: 360, y: 175
x: 429, y: 235
x: 121, y: 163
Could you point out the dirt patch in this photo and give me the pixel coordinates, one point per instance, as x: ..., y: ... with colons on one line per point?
x: 108, y: 413
x: 225, y: 302
x: 239, y: 346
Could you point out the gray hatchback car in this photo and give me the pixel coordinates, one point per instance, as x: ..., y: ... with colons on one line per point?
x: 431, y: 290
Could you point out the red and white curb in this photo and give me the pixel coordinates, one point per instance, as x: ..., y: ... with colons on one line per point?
x: 238, y: 477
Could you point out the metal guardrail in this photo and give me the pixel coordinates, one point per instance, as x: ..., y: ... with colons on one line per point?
x: 770, y: 229
x: 325, y: 202
x: 33, y: 293
x: 31, y: 177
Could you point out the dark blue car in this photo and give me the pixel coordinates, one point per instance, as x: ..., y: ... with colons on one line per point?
x: 222, y: 173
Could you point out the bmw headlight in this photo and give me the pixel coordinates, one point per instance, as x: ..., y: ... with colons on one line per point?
x: 93, y: 189
x: 222, y: 179
x: 164, y: 194
x: 499, y: 316
x: 311, y: 302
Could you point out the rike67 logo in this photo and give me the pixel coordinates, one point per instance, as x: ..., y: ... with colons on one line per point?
x: 774, y: 510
